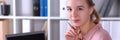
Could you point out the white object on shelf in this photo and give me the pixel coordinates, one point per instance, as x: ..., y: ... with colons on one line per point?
x: 26, y: 26
x: 27, y: 9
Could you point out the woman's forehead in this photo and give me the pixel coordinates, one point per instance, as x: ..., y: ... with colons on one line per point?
x: 75, y: 2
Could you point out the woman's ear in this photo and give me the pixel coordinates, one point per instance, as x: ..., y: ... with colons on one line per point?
x: 91, y: 10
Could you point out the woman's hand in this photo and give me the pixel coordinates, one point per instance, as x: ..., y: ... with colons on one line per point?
x: 2, y: 1
x: 72, y: 34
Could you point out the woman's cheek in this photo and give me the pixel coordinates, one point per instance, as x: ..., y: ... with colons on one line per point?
x: 84, y: 18
x: 69, y: 16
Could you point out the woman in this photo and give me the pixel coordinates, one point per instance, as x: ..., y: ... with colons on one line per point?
x: 84, y: 21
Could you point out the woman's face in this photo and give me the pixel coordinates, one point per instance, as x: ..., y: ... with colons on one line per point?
x: 78, y: 12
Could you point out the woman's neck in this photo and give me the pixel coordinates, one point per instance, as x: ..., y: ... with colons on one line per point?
x: 86, y: 27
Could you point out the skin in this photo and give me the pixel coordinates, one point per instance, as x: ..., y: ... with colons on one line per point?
x: 79, y: 16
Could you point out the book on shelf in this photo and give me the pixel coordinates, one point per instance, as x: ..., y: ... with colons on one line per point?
x: 36, y: 7
x: 4, y: 28
x: 40, y: 8
x: 43, y: 8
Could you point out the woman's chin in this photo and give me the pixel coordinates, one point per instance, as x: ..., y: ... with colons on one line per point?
x: 76, y: 24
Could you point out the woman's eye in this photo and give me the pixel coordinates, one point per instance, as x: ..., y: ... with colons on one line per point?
x: 80, y: 9
x: 69, y: 9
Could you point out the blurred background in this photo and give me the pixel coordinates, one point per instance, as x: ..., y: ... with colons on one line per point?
x: 22, y: 12
x: 108, y: 8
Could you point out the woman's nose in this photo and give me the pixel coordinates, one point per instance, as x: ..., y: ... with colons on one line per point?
x: 74, y: 13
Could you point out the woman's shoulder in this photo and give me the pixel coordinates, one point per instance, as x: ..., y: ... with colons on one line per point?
x: 102, y: 35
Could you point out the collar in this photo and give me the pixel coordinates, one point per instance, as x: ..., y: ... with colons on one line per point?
x: 92, y: 31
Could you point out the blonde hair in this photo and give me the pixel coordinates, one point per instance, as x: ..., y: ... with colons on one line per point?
x: 94, y: 13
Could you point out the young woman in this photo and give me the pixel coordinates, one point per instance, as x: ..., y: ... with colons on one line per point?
x: 85, y: 22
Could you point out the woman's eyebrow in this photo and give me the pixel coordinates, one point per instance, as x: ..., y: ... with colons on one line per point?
x: 77, y: 6
x: 68, y: 7
x: 81, y: 6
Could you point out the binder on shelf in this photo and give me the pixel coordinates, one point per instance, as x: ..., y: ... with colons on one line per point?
x: 43, y: 8
x: 4, y: 28
x: 36, y: 7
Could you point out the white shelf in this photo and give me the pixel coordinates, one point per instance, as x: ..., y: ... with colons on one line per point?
x: 58, y: 18
x: 54, y: 18
x: 23, y: 17
x: 110, y: 19
x: 102, y: 19
x: 6, y: 17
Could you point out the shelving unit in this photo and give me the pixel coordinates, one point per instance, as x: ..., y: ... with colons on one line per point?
x: 54, y: 19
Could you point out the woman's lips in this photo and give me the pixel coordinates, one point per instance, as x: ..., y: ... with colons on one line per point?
x: 76, y: 21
